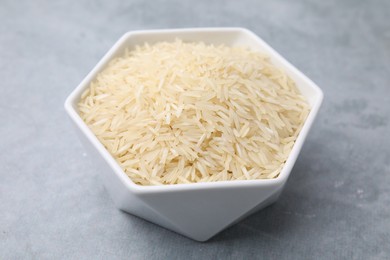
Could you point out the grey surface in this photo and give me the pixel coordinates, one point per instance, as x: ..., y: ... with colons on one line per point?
x: 336, y: 204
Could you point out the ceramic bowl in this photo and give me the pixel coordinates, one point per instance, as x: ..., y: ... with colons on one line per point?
x: 199, y: 210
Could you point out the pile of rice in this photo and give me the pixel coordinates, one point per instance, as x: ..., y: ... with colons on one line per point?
x: 177, y: 112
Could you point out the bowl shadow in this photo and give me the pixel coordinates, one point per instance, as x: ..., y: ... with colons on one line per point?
x: 283, y: 216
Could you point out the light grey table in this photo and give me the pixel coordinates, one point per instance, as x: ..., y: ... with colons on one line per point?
x: 336, y: 204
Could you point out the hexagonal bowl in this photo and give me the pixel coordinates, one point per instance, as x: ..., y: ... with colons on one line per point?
x: 199, y: 210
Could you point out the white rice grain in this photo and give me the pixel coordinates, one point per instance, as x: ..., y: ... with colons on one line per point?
x: 176, y: 112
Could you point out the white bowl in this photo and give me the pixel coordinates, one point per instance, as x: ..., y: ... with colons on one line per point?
x: 198, y: 210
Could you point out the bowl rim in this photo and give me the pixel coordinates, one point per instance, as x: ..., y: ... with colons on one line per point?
x: 279, y: 180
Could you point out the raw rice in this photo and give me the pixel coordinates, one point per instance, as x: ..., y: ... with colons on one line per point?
x: 177, y: 112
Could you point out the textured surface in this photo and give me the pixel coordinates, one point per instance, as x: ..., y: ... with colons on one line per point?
x: 336, y: 203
